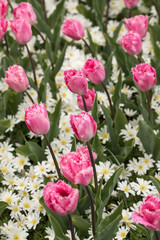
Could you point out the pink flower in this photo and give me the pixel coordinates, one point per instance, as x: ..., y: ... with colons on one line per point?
x: 89, y: 99
x: 25, y: 10
x: 76, y: 81
x: 145, y: 76
x: 84, y: 150
x: 60, y: 197
x: 94, y: 71
x: 3, y: 8
x: 76, y: 167
x: 73, y: 29
x: 149, y: 213
x: 3, y: 27
x: 137, y: 24
x: 16, y: 78
x: 22, y: 30
x: 36, y: 119
x: 132, y: 43
x: 83, y: 125
x: 130, y: 3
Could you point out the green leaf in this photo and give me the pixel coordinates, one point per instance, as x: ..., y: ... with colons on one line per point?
x: 3, y: 206
x: 82, y: 224
x: 121, y: 121
x: 60, y: 60
x: 4, y: 125
x: 141, y: 99
x: 54, y: 122
x: 117, y: 96
x: 73, y: 148
x: 144, y: 231
x: 57, y: 227
x: 49, y: 51
x: 43, y: 85
x: 156, y: 48
x: 156, y: 182
x: 33, y: 151
x: 98, y: 12
x: 98, y: 148
x: 86, y: 13
x: 108, y: 69
x: 54, y: 17
x: 95, y: 110
x: 149, y: 140
x: 91, y: 43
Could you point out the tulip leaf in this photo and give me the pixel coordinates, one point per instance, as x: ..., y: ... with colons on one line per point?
x: 4, y: 125
x: 149, y: 140
x: 98, y: 148
x: 154, y: 42
x: 108, y: 68
x: 86, y: 13
x: 54, y: 16
x: 156, y: 182
x: 98, y: 12
x: 3, y: 206
x: 60, y: 60
x: 82, y: 224
x: 95, y: 110
x: 33, y: 151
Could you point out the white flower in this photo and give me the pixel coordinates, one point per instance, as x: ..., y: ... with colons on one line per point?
x: 32, y: 220
x: 126, y: 188
x: 105, y: 169
x: 122, y: 233
x: 103, y: 134
x: 142, y: 188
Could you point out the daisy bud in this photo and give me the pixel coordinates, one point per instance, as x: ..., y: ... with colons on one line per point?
x: 76, y: 81
x: 36, y: 119
x: 145, y: 76
x: 16, y: 78
x: 3, y: 27
x: 73, y: 29
x: 89, y: 99
x: 83, y: 125
x: 94, y: 71
x: 138, y: 24
x: 60, y: 197
x: 3, y: 8
x: 22, y: 30
x: 25, y: 11
x: 130, y: 3
x: 132, y: 43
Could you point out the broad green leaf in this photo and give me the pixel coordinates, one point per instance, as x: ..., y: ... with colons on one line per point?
x: 149, y: 140
x: 108, y: 68
x: 98, y: 14
x: 33, y: 151
x: 156, y: 182
x: 4, y: 125
x: 98, y: 148
x: 3, y: 206
x: 73, y: 148
x: 121, y: 120
x: 54, y: 122
x: 144, y: 231
x: 154, y: 42
x: 49, y: 51
x: 60, y: 60
x: 43, y: 86
x: 116, y: 32
x: 92, y: 45
x: 86, y: 13
x: 141, y: 99
x: 82, y: 224
x: 54, y: 17
x: 95, y: 110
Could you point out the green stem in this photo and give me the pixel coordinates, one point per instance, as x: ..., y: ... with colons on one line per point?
x: 149, y: 106
x: 53, y: 156
x: 10, y: 5
x: 92, y: 210
x: 129, y: 12
x: 109, y: 99
x: 157, y: 235
x: 84, y: 103
x: 36, y: 29
x: 107, y: 14
x: 140, y: 59
x: 71, y: 227
x: 27, y: 93
x: 156, y: 7
x: 6, y: 43
x: 93, y: 165
x: 91, y: 51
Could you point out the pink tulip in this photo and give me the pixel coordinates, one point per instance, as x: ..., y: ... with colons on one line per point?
x: 22, y: 30
x: 60, y: 197
x: 76, y: 168
x: 83, y: 125
x: 149, y: 213
x: 76, y: 81
x: 138, y: 24
x: 84, y: 150
x: 132, y: 43
x: 73, y: 29
x: 130, y: 3
x: 36, y: 119
x: 94, y: 71
x: 145, y: 76
x: 89, y: 99
x: 16, y: 78
x: 25, y: 10
x: 3, y: 8
x: 3, y: 27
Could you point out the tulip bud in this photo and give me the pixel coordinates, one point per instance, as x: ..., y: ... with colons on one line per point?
x: 138, y: 24
x: 132, y: 43
x: 76, y: 81
x: 94, y: 71
x: 73, y: 29
x: 16, y: 78
x: 22, y: 30
x: 145, y: 76
x: 83, y: 125
x: 130, y: 3
x: 25, y: 11
x: 36, y: 119
x: 3, y: 8
x: 60, y: 197
x: 3, y: 27
x: 89, y: 99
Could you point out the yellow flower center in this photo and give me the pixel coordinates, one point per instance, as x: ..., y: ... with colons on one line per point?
x: 126, y: 189
x: 16, y: 237
x: 8, y: 200
x: 105, y: 171
x: 123, y: 234
x: 26, y: 205
x: 143, y: 187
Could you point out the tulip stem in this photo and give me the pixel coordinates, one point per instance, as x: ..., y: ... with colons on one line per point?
x: 156, y: 7
x: 93, y: 165
x: 149, y: 106
x: 84, y: 103
x: 107, y: 13
x: 129, y: 12
x: 44, y: 10
x: 140, y: 58
x: 6, y: 43
x: 53, y: 156
x: 36, y: 29
x: 27, y: 93
x: 109, y: 99
x: 32, y: 64
x: 91, y: 51
x: 156, y: 235
x: 71, y: 226
x: 92, y: 209
x: 10, y: 5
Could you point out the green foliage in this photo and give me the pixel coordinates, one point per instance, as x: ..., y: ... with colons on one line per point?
x: 3, y: 206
